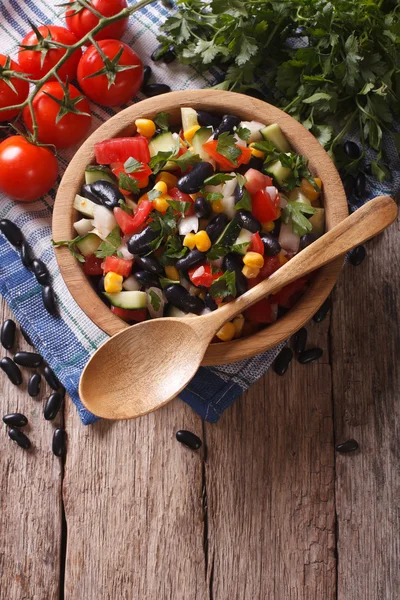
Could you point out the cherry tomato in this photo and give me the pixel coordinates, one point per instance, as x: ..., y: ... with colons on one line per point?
x: 132, y: 224
x: 139, y: 314
x: 81, y: 21
x: 8, y: 95
x: 122, y: 266
x: 118, y: 150
x: 31, y: 60
x: 126, y: 84
x: 71, y: 128
x: 203, y: 275
x: 92, y: 265
x: 225, y: 164
x: 27, y: 172
x: 256, y: 244
x: 263, y: 207
x: 255, y: 180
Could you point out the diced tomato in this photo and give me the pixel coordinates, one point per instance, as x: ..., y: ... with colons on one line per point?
x: 140, y: 314
x: 271, y: 264
x: 255, y: 180
x: 225, y: 164
x: 92, y: 265
x: 263, y: 207
x: 288, y: 295
x: 181, y: 197
x: 256, y: 244
x: 203, y: 275
x: 121, y: 266
x: 261, y: 312
x: 132, y: 223
x: 120, y: 149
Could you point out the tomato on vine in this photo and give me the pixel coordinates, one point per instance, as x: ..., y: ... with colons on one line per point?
x: 112, y: 76
x: 12, y: 89
x: 62, y: 115
x: 37, y: 56
x: 81, y: 20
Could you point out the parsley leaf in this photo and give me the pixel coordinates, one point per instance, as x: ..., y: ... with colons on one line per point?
x: 243, y: 133
x: 72, y: 247
x: 158, y: 162
x: 213, y: 196
x: 240, y: 248
x: 161, y: 120
x: 227, y: 147
x: 163, y: 225
x: 295, y: 211
x: 245, y: 202
x: 155, y: 300
x: 224, y: 286
x: 218, y: 178
x: 124, y: 206
x: 174, y: 247
x: 110, y: 245
x: 217, y: 251
x: 179, y: 206
x: 186, y: 160
x: 132, y: 165
x: 165, y: 282
x: 153, y: 194
x: 130, y: 184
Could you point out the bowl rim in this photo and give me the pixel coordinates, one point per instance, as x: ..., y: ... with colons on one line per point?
x: 247, y: 108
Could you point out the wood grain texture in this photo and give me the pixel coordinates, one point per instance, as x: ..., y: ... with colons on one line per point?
x: 30, y: 495
x: 366, y: 377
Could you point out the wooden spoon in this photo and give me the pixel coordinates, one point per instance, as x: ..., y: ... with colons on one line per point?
x: 141, y: 368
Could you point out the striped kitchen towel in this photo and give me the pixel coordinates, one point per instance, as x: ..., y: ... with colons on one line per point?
x: 66, y: 342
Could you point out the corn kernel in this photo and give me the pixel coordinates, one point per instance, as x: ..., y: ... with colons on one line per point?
x: 250, y: 272
x: 253, y: 260
x: 267, y: 227
x: 309, y: 191
x: 145, y: 127
x: 190, y: 133
x: 172, y: 273
x: 161, y: 203
x: 203, y: 242
x: 113, y: 282
x: 167, y: 178
x: 226, y: 333
x: 255, y: 152
x: 161, y: 186
x: 238, y: 323
x: 217, y: 206
x: 189, y: 240
x: 282, y: 258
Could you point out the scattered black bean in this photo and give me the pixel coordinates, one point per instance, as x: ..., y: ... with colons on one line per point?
x: 348, y: 185
x: 7, y: 335
x: 149, y: 264
x: 155, y: 89
x: 191, y: 182
x: 167, y: 55
x: 20, y: 438
x: 352, y: 149
x: 202, y: 208
x: 34, y: 385
x: 349, y: 446
x: 248, y: 221
x: 41, y: 271
x: 11, y: 370
x: 189, y: 439
x: 11, y: 232
x: 28, y: 359
x: 216, y: 226
x: 15, y: 420
x: 300, y: 340
x: 271, y: 245
x: 283, y: 361
x: 227, y: 125
x: 59, y: 444
x: 307, y: 240
x: 146, y: 75
x: 206, y: 119
x: 210, y: 302
x: 322, y: 311
x: 308, y: 356
x: 357, y: 255
x: 360, y: 185
x: 51, y: 378
x: 26, y: 337
x: 194, y: 258
x: 180, y: 297
x: 49, y: 300
x: 139, y: 242
x: 147, y: 279
x: 52, y: 406
x: 26, y: 256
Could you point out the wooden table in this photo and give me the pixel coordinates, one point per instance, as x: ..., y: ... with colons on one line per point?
x: 268, y: 510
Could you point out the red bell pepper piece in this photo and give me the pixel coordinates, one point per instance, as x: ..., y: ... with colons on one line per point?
x: 142, y: 176
x: 271, y: 264
x: 181, y: 197
x: 122, y: 266
x: 120, y: 149
x: 256, y: 244
x: 92, y: 265
x: 225, y: 164
x: 202, y: 275
x: 288, y: 295
x: 263, y: 207
x: 132, y: 223
x: 139, y: 314
x: 261, y: 312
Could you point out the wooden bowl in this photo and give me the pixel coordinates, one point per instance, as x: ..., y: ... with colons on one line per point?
x: 248, y: 109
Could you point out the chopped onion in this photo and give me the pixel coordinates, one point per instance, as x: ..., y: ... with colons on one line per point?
x: 104, y: 220
x: 271, y: 191
x: 214, y: 188
x: 131, y: 284
x: 125, y: 252
x: 229, y: 206
x: 287, y: 239
x: 155, y: 313
x: 83, y: 226
x: 188, y: 224
x: 282, y: 201
x: 229, y: 187
x: 239, y: 142
x: 254, y: 127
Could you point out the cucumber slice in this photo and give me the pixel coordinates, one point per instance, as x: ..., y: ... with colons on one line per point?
x: 230, y: 233
x: 278, y: 172
x: 85, y: 206
x: 89, y: 244
x: 274, y: 134
x: 317, y: 221
x: 200, y: 137
x: 128, y: 300
x: 244, y: 237
x: 172, y: 311
x: 189, y: 118
x: 162, y: 143
x: 83, y: 226
x: 297, y: 195
x: 98, y: 172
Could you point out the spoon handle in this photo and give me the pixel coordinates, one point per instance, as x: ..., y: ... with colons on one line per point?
x: 365, y: 223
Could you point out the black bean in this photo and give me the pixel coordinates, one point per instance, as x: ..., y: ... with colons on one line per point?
x: 26, y: 337
x: 255, y: 163
x: 189, y: 439
x: 300, y: 340
x: 41, y: 271
x: 8, y: 334
x: 322, y: 311
x: 277, y: 227
x: 360, y: 185
x: 248, y: 221
x: 149, y: 264
x: 86, y: 192
x: 26, y: 256
x: 352, y: 149
x: 349, y: 446
x: 283, y: 361
x: 191, y: 182
x: 206, y: 119
x: 139, y: 242
x: 52, y: 406
x: 202, y: 208
x: 228, y: 123
x: 155, y: 89
x: 34, y: 385
x: 20, y: 438
x: 28, y: 359
x: 11, y: 370
x: 147, y: 279
x: 11, y: 232
x: 146, y: 75
x: 180, y: 297
x: 102, y: 192
x: 234, y: 262
x: 357, y: 255
x: 194, y: 258
x: 238, y: 193
x: 348, y: 185
x: 308, y: 356
x: 306, y: 240
x: 51, y: 378
x: 59, y: 444
x: 216, y: 226
x: 210, y: 302
x: 271, y: 245
x: 49, y: 300
x: 166, y: 54
x: 15, y: 420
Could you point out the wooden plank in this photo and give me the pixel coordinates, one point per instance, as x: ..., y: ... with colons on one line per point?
x: 133, y: 502
x: 30, y: 496
x: 366, y: 383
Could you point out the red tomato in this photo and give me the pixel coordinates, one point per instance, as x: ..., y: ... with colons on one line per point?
x: 271, y: 264
x: 225, y: 164
x: 263, y: 208
x: 92, y: 265
x: 181, y: 197
x: 261, y: 312
x: 288, y: 295
x: 8, y: 96
x: 121, y: 266
x: 202, y: 275
x: 118, y: 150
x: 256, y: 244
x: 126, y: 84
x: 139, y: 314
x: 27, y: 172
x: 141, y: 176
x: 31, y: 60
x: 82, y: 20
x: 132, y: 224
x: 255, y: 180
x: 70, y: 129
